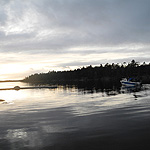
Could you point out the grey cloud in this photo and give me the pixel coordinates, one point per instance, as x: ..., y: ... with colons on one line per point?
x: 3, y: 17
x: 107, y: 19
x: 103, y: 61
x: 129, y: 59
x: 84, y: 22
x: 110, y: 22
x: 82, y: 63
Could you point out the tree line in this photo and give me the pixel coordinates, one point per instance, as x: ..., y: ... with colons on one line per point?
x: 107, y: 72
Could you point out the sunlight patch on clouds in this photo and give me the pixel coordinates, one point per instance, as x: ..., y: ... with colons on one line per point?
x: 11, y: 68
x: 20, y: 65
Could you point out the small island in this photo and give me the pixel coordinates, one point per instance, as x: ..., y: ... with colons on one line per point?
x: 111, y: 73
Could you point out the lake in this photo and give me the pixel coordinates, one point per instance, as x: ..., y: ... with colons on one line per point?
x: 72, y: 118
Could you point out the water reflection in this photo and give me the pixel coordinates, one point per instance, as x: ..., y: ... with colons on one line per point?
x: 48, y: 95
x: 107, y: 89
x: 15, y: 134
x: 137, y: 92
x: 73, y: 117
x: 23, y: 138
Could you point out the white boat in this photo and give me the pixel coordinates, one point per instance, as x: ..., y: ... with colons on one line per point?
x: 129, y: 83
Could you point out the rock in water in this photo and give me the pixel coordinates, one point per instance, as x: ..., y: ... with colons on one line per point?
x: 17, y: 88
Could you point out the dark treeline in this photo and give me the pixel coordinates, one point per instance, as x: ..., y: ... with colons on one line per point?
x: 108, y: 72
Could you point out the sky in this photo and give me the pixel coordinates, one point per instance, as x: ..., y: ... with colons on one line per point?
x: 44, y: 35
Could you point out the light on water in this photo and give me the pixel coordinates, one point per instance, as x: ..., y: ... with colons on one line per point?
x: 67, y: 116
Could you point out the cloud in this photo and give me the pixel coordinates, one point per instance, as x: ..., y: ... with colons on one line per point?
x: 74, y: 32
x: 63, y: 24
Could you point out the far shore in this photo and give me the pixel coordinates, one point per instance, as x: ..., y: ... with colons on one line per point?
x: 11, y: 80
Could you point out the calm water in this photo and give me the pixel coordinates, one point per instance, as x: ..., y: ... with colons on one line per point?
x: 73, y: 119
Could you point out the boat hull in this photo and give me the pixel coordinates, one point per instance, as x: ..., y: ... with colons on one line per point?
x: 126, y: 83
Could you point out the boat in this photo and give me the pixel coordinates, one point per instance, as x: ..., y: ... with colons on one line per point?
x: 129, y: 82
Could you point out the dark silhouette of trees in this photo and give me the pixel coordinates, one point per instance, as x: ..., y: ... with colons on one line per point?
x: 108, y: 72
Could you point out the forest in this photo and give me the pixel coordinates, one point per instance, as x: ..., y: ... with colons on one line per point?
x: 102, y: 73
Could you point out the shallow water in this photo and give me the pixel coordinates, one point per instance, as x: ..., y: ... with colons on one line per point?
x: 70, y: 118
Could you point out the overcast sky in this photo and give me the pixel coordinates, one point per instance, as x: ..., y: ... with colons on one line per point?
x: 43, y: 35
